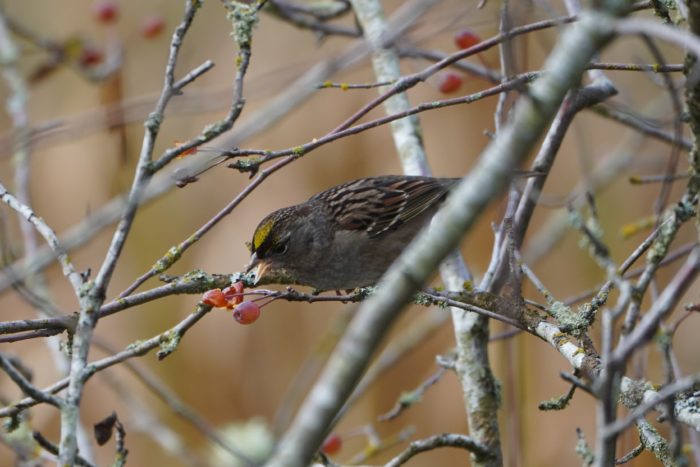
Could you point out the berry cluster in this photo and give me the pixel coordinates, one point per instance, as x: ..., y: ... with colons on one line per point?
x: 231, y: 298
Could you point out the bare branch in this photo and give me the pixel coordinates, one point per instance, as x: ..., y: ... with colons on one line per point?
x: 440, y: 441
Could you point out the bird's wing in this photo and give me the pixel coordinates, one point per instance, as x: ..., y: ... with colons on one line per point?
x: 376, y: 205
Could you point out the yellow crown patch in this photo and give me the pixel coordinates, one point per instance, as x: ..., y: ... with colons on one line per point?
x: 262, y: 232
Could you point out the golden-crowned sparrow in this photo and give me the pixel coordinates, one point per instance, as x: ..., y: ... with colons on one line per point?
x: 347, y: 236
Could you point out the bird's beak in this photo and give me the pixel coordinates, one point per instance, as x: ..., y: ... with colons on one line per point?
x: 257, y: 267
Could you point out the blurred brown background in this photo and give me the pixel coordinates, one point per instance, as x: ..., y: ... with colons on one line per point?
x: 231, y: 373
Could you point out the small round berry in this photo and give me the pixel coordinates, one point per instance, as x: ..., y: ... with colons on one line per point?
x: 246, y: 313
x: 105, y: 11
x: 465, y: 39
x: 449, y: 82
x: 215, y: 297
x: 234, y: 293
x: 152, y: 26
x: 90, y: 56
x: 332, y: 444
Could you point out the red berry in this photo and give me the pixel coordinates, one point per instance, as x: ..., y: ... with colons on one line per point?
x: 234, y: 293
x: 90, y: 56
x: 465, y: 39
x: 332, y: 444
x: 152, y: 26
x: 246, y: 313
x: 105, y: 11
x: 214, y: 297
x: 449, y: 82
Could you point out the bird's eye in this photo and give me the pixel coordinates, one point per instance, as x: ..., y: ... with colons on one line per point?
x: 280, y: 248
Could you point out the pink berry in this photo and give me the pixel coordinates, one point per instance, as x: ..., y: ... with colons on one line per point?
x: 246, y: 313
x: 152, y: 26
x: 332, y: 444
x: 105, y: 11
x: 449, y: 82
x: 465, y: 39
x: 234, y: 293
x: 90, y: 56
x: 214, y: 297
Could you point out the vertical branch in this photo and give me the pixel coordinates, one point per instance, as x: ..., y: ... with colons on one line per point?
x: 93, y: 294
x: 385, y: 62
x: 607, y: 394
x: 143, y: 170
x: 471, y: 330
x: 505, y: 56
x: 17, y: 108
x: 243, y: 18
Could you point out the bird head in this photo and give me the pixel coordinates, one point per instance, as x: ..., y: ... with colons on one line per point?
x: 280, y: 244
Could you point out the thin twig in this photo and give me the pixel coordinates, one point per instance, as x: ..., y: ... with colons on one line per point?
x: 440, y: 441
x: 25, y: 385
x: 167, y: 340
x: 49, y: 235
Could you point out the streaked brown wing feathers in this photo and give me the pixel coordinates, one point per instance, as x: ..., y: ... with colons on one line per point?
x: 377, y: 205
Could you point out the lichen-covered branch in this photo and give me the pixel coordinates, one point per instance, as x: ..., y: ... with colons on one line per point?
x: 487, y: 179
